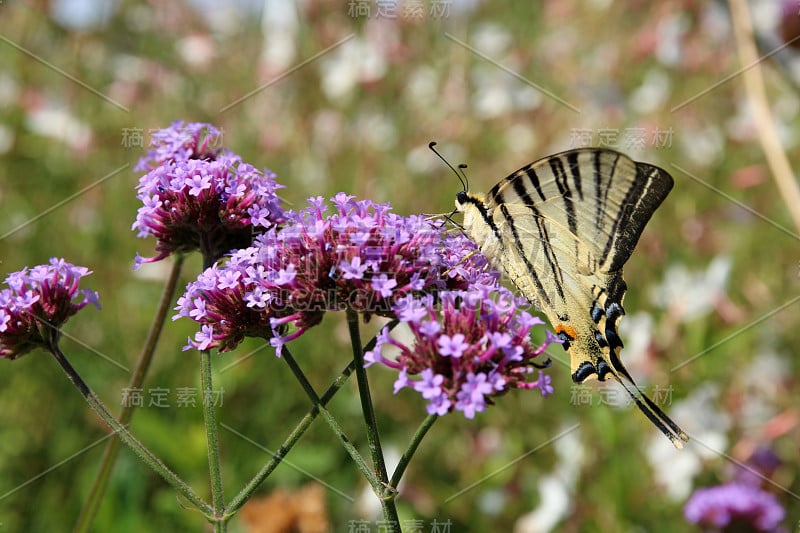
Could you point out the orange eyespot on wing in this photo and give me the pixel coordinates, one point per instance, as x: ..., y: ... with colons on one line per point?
x: 567, y: 331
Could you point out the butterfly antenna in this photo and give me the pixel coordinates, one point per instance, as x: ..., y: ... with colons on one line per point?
x: 465, y: 181
x: 431, y: 145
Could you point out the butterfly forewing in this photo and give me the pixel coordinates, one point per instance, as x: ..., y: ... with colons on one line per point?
x: 600, y: 196
x: 562, y: 228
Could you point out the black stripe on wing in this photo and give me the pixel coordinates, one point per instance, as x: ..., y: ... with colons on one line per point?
x: 601, y: 189
x: 557, y: 167
x: 643, y: 197
x: 527, y: 228
x: 520, y: 249
x: 620, y: 195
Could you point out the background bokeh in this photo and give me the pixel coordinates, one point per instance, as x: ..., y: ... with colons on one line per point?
x: 345, y: 96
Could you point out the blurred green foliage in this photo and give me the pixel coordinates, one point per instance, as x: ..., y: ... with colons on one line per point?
x: 623, y: 65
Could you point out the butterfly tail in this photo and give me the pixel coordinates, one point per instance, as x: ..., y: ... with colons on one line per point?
x: 616, y: 291
x: 654, y: 413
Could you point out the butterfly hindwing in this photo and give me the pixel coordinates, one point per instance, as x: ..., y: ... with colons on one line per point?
x: 562, y: 228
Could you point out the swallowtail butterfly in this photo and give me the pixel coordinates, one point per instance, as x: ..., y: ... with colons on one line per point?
x: 562, y: 228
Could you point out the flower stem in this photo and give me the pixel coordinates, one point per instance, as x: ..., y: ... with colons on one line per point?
x: 125, y: 436
x: 100, y: 484
x: 212, y: 437
x: 239, y: 500
x: 332, y: 422
x: 422, y: 430
x: 386, y: 492
x: 759, y: 107
x: 210, y: 417
x: 289, y: 442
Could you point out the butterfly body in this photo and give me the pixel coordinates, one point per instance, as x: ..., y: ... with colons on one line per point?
x: 562, y: 228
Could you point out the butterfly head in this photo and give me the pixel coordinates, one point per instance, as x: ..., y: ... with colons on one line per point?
x: 462, y: 198
x: 472, y: 206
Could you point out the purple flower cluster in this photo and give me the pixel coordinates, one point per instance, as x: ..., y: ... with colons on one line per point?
x: 217, y: 300
x: 210, y: 206
x: 361, y: 257
x: 37, y: 302
x: 182, y: 141
x: 734, y: 507
x: 472, y: 346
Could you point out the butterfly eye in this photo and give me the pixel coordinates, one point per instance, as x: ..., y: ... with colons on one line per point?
x: 462, y: 198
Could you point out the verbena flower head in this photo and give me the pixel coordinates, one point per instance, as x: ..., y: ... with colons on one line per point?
x: 734, y: 507
x: 182, y: 141
x: 468, y: 348
x: 217, y: 300
x: 361, y: 257
x: 211, y: 206
x: 37, y: 302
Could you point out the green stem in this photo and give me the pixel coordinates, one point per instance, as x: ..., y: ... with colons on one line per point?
x: 210, y: 417
x: 288, y: 443
x: 125, y: 436
x: 98, y: 490
x: 212, y: 436
x: 332, y: 422
x: 296, y: 433
x: 422, y: 430
x: 386, y: 493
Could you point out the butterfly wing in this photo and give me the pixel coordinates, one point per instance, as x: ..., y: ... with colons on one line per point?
x: 601, y: 197
x: 562, y: 228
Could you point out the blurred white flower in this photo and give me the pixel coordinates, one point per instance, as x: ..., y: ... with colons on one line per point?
x: 556, y: 489
x: 765, y: 371
x: 491, y: 502
x: 9, y: 90
x: 652, y: 94
x: 766, y: 375
x: 702, y: 147
x: 279, y: 25
x: 740, y: 126
x: 766, y: 14
x: 706, y: 424
x: 196, y: 50
x: 669, y: 31
x: 82, y: 15
x: 689, y: 295
x: 492, y: 39
x: 492, y: 98
x: 716, y: 23
x: 498, y: 93
x: 57, y: 123
x: 422, y: 87
x: 376, y: 130
x: 355, y: 61
x: 327, y: 130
